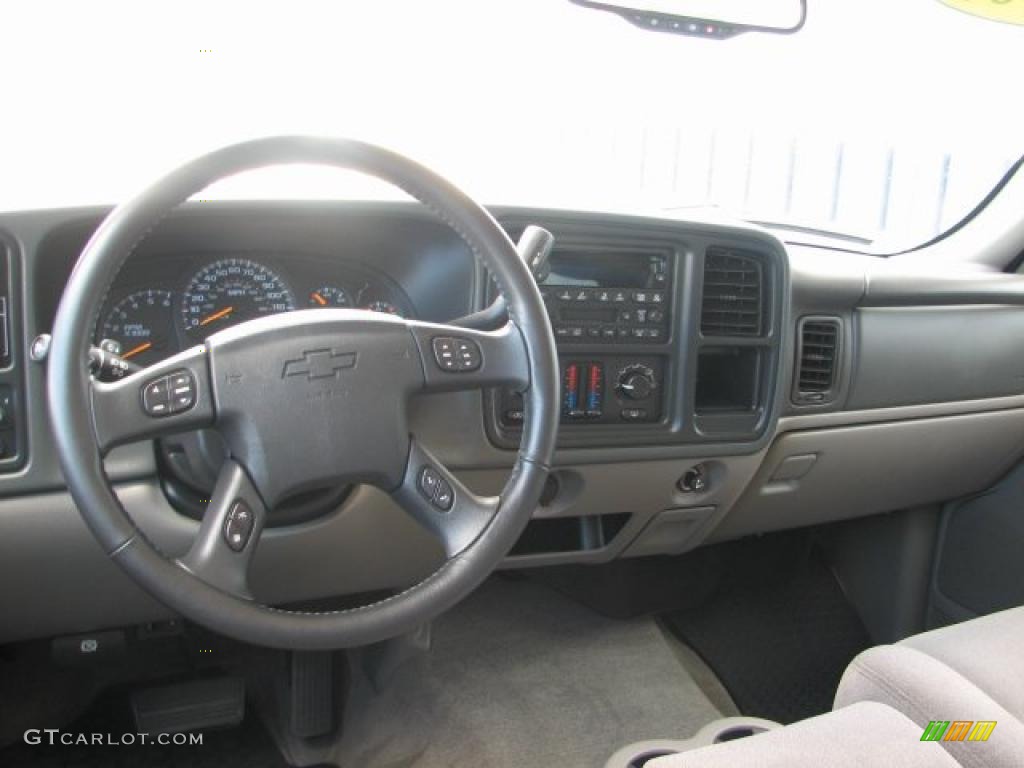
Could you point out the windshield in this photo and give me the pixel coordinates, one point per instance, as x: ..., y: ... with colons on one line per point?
x: 882, y: 121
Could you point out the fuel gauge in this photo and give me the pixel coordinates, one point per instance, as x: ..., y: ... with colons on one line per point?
x: 329, y: 296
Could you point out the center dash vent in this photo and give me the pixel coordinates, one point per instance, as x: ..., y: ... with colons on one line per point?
x: 733, y: 303
x: 818, y: 360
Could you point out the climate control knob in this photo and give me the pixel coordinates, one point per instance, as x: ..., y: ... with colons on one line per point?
x: 636, y: 382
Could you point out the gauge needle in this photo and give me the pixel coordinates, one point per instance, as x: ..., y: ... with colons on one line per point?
x: 217, y: 315
x: 137, y: 350
x: 319, y: 299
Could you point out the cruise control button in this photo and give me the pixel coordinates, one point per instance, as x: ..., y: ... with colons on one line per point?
x: 238, y: 525
x: 156, y: 398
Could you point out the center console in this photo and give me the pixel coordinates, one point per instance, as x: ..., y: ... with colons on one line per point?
x: 609, y: 310
x: 660, y: 340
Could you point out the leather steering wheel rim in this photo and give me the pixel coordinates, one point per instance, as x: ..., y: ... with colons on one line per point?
x: 77, y: 409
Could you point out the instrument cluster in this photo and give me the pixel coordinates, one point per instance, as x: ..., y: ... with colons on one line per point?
x: 148, y: 320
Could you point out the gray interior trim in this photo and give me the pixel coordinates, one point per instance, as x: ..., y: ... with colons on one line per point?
x: 872, y: 468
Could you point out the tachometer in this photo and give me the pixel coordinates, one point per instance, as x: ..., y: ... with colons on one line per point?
x: 139, y: 326
x: 231, y: 291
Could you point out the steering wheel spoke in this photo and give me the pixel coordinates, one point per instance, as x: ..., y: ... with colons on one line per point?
x: 230, y: 531
x: 441, y: 503
x: 170, y: 396
x: 456, y: 358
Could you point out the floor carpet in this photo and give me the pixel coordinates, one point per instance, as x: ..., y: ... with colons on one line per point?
x: 522, y: 676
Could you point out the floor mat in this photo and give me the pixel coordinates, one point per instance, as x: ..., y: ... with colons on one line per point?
x: 778, y: 644
x: 522, y: 676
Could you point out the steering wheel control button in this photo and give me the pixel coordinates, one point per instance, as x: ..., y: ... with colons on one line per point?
x: 436, y: 489
x: 429, y: 481
x: 445, y: 496
x: 170, y: 394
x: 444, y: 353
x: 456, y: 354
x: 238, y: 526
x: 182, y: 386
x: 156, y: 397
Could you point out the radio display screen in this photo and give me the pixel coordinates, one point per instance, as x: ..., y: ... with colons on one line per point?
x: 600, y: 270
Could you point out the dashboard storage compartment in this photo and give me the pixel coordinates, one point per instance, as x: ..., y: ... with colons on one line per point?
x: 569, y: 534
x: 727, y: 380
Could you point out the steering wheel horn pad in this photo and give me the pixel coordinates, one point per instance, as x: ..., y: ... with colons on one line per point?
x: 306, y: 399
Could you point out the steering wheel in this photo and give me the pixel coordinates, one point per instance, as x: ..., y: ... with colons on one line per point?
x: 303, y: 400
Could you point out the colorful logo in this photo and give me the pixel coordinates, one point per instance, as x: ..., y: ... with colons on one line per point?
x: 958, y: 730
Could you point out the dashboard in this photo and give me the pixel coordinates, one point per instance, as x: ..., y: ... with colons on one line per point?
x: 716, y: 383
x: 157, y: 307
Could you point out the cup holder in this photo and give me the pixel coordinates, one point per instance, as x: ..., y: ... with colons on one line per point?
x: 736, y: 732
x: 718, y: 732
x: 643, y: 759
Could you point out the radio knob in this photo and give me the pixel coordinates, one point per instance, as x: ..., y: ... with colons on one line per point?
x: 636, y: 382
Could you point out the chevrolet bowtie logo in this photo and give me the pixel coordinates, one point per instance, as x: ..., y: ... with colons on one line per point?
x: 319, y: 364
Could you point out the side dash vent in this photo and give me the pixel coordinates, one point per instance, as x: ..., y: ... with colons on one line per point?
x: 817, y: 360
x: 733, y: 302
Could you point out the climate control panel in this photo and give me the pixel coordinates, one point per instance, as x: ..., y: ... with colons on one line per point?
x: 603, y: 389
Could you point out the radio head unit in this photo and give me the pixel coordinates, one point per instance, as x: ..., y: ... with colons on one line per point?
x: 613, y: 297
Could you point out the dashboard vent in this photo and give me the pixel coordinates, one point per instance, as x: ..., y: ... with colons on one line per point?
x: 733, y: 294
x: 818, y: 360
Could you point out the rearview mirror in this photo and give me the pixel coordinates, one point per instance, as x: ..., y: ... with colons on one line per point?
x: 717, y: 19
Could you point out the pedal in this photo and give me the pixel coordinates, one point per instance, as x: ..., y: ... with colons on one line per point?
x: 311, y: 699
x: 192, y: 706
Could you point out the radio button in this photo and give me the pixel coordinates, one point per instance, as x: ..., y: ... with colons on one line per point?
x: 633, y: 414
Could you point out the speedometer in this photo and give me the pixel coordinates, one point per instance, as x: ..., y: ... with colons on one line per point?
x: 231, y: 291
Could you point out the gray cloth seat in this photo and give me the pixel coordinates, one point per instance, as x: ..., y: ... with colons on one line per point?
x: 862, y: 735
x: 973, y: 671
